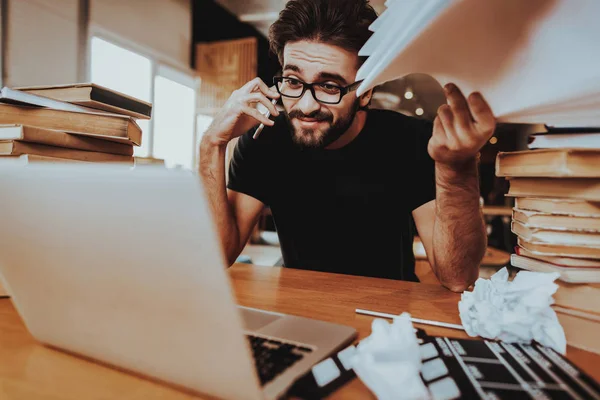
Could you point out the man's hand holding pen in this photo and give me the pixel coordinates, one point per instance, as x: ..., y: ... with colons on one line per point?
x: 239, y: 114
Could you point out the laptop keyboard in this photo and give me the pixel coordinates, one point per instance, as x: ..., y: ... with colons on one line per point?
x: 272, y: 357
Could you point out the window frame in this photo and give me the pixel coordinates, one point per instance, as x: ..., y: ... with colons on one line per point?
x: 159, y: 66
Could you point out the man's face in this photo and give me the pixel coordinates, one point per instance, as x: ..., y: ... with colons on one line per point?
x: 315, y: 124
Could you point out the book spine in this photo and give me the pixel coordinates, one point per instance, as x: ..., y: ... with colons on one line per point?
x: 571, y: 251
x: 72, y: 141
x: 580, y: 332
x: 60, y: 152
x: 568, y: 188
x: 583, y: 297
x: 105, y: 126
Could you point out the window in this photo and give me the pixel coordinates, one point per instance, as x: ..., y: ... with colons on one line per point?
x: 202, y: 124
x: 174, y: 114
x: 127, y: 72
x: 170, y: 134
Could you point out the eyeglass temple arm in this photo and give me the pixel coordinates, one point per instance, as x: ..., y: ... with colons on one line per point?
x: 353, y: 86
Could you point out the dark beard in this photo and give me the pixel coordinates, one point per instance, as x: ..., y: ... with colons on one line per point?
x: 330, y: 135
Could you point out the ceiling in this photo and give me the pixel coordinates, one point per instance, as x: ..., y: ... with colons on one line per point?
x: 262, y: 13
x: 428, y: 94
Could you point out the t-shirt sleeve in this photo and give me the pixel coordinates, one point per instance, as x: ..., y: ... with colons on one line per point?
x: 424, y: 166
x: 248, y: 168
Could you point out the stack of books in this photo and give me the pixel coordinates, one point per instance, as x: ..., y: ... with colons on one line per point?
x: 77, y: 123
x: 556, y: 217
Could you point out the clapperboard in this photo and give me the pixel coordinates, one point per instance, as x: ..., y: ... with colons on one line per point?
x: 471, y: 369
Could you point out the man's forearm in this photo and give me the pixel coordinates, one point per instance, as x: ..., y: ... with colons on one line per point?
x: 212, y: 171
x: 459, y: 238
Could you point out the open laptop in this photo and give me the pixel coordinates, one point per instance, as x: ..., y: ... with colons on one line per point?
x: 123, y: 265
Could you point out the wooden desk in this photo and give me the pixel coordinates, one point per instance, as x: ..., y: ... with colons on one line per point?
x: 29, y: 370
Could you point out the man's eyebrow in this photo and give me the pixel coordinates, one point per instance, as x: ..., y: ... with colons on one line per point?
x: 291, y: 67
x: 323, y: 76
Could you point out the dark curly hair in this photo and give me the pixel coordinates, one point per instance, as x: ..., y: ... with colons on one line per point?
x: 343, y: 23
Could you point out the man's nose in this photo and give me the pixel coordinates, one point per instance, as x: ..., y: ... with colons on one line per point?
x: 307, y: 103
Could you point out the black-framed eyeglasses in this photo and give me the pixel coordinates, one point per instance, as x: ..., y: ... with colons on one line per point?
x: 326, y: 93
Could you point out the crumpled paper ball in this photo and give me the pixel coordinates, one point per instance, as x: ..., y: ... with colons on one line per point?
x: 389, y: 362
x: 514, y: 311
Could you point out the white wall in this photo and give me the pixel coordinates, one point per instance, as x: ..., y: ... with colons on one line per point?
x: 162, y: 26
x: 41, y: 42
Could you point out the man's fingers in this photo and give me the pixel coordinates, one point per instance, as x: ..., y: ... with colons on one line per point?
x: 260, y: 98
x: 437, y: 143
x: 254, y: 113
x: 254, y: 85
x: 437, y: 125
x: 459, y: 106
x: 482, y: 113
x: 257, y: 85
x: 446, y: 117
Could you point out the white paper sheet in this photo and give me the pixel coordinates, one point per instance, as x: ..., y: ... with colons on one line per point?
x: 514, y: 311
x: 535, y: 61
x: 389, y: 360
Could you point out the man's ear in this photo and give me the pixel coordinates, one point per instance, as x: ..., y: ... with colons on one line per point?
x: 365, y: 98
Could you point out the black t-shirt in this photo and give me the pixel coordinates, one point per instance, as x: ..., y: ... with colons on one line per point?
x: 346, y: 210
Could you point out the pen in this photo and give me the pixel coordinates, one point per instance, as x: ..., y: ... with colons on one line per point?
x: 261, y: 126
x: 415, y: 320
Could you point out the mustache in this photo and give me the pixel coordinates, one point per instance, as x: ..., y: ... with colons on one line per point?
x: 317, y: 114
